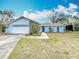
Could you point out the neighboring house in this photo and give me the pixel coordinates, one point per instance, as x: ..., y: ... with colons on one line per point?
x: 22, y: 25
x: 52, y: 27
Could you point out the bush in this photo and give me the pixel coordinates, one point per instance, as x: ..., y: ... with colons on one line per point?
x: 2, y: 28
x: 76, y: 26
x: 35, y: 30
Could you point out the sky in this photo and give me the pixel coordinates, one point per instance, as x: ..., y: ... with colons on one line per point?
x: 40, y: 9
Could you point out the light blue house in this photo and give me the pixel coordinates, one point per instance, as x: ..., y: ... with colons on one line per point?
x: 22, y: 25
x: 52, y: 27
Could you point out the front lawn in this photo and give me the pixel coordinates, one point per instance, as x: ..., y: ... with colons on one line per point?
x: 59, y: 46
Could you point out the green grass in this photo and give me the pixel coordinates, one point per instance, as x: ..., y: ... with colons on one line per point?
x: 37, y: 34
x: 59, y: 46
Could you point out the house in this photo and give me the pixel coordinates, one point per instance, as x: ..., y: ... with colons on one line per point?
x: 22, y: 25
x: 52, y: 27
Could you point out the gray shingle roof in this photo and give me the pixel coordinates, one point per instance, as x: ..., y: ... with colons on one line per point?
x: 51, y: 24
x: 21, y: 18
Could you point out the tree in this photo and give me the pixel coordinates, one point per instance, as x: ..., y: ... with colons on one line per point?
x: 52, y: 17
x: 76, y: 26
x: 56, y: 16
x: 6, y: 16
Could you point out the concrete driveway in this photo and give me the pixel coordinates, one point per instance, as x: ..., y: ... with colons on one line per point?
x: 7, y: 43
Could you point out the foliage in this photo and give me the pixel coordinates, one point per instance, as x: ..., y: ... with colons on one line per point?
x: 56, y: 16
x: 35, y: 28
x: 6, y: 16
x: 2, y: 28
x: 76, y: 26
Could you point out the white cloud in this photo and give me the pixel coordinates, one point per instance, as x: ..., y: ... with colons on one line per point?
x: 61, y: 8
x: 44, y: 13
x: 70, y: 10
x: 72, y: 6
x: 37, y: 14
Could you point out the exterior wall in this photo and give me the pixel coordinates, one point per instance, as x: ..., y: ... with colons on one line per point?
x: 61, y: 29
x: 20, y: 26
x: 53, y: 29
x: 46, y: 29
x: 40, y: 29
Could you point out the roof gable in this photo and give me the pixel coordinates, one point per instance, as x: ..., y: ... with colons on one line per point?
x: 21, y: 17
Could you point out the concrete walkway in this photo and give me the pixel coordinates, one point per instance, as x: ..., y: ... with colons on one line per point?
x: 43, y: 36
x: 7, y: 43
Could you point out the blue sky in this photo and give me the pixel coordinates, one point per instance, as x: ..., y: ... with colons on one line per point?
x: 19, y: 6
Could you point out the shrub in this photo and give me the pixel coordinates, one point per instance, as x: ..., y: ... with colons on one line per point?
x: 35, y: 28
x: 76, y: 27
x: 2, y: 28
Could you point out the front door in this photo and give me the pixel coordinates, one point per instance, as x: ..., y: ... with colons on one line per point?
x: 43, y: 29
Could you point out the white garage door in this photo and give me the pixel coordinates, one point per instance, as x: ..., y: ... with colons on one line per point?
x: 22, y: 30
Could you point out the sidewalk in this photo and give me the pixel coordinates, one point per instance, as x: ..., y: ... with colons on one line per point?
x: 43, y: 36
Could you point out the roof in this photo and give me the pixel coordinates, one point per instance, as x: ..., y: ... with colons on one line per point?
x: 51, y: 24
x: 21, y: 18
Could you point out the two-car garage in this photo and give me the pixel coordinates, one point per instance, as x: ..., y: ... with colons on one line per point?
x: 22, y: 25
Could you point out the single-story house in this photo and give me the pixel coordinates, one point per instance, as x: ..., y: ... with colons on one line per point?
x: 22, y: 25
x: 52, y: 27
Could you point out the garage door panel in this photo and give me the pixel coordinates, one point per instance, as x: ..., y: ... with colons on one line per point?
x: 23, y: 30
